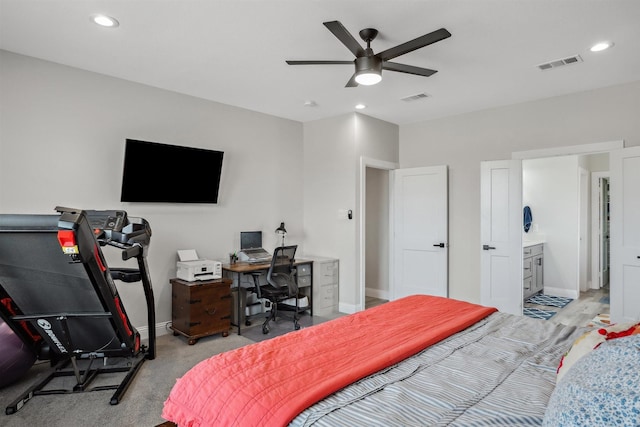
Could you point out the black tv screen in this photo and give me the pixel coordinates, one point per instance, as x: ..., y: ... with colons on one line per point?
x: 155, y: 172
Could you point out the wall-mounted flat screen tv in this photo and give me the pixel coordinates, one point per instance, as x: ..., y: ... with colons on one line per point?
x: 155, y: 172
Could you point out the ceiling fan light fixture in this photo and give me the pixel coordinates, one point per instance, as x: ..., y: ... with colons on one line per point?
x: 368, y: 78
x: 368, y: 70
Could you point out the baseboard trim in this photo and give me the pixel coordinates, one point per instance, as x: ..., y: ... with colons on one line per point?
x: 162, y: 328
x: 376, y: 293
x: 560, y: 292
x: 347, y: 308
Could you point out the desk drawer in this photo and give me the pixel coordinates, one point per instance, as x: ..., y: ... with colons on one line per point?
x: 328, y: 273
x: 304, y: 281
x: 326, y: 296
x: 304, y: 270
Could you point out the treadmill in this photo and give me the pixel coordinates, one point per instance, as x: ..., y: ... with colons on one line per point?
x: 58, y: 295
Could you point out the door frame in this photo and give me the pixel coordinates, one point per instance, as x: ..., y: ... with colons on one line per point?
x: 569, y: 150
x: 584, y: 181
x: 367, y: 162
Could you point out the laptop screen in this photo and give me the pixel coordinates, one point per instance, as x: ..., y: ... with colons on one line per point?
x: 250, y: 239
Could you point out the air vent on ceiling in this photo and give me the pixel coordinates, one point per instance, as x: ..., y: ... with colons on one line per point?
x: 415, y: 97
x: 560, y: 62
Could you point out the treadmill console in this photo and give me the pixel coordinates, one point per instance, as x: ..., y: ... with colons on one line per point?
x: 107, y: 220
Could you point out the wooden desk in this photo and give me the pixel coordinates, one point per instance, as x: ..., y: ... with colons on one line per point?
x: 304, y: 277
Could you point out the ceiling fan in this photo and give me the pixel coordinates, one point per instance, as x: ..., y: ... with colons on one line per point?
x: 369, y: 66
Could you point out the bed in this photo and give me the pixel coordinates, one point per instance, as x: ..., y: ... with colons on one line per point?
x: 418, y: 360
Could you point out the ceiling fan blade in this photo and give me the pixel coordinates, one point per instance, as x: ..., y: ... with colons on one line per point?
x: 414, y: 44
x: 409, y: 69
x: 352, y: 82
x: 318, y: 62
x: 345, y: 37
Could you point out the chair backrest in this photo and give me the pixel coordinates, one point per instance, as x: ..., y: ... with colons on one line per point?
x: 281, y: 271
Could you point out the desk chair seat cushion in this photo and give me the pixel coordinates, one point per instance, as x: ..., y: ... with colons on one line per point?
x: 268, y: 291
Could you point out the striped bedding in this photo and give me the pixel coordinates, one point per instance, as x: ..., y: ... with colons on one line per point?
x: 500, y: 371
x: 269, y: 383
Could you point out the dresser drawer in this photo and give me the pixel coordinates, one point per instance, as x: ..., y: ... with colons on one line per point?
x: 201, y: 308
x: 527, y: 267
x: 527, y: 285
x: 532, y: 250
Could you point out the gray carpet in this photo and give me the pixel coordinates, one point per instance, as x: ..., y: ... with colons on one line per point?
x: 142, y: 403
x: 282, y: 326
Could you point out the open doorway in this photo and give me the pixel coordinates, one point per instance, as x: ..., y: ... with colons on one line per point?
x: 376, y: 237
x: 557, y: 189
x: 373, y: 231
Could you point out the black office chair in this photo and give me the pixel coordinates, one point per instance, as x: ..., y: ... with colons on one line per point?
x: 281, y: 285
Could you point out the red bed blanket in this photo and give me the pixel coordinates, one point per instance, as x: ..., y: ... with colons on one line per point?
x: 270, y: 382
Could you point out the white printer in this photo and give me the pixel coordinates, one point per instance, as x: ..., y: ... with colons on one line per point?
x: 191, y: 268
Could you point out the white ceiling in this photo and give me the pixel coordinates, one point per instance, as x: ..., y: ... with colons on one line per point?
x: 234, y: 51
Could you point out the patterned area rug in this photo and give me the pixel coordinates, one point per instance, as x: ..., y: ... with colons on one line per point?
x: 549, y: 300
x: 537, y: 313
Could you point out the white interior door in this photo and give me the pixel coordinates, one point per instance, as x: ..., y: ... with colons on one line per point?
x: 599, y: 229
x: 501, y: 227
x: 625, y: 234
x: 420, y: 232
x: 606, y: 233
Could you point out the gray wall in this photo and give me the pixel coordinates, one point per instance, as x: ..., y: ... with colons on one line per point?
x: 332, y: 152
x: 62, y: 134
x: 463, y: 141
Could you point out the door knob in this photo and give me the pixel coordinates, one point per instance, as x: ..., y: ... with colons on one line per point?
x: 487, y: 247
x: 439, y: 245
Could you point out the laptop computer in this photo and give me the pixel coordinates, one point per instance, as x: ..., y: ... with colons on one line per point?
x: 251, y: 249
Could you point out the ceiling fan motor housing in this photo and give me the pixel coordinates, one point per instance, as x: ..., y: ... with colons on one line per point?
x: 368, y: 63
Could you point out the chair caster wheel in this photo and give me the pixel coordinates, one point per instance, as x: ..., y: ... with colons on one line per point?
x: 265, y: 329
x: 297, y: 327
x: 247, y: 322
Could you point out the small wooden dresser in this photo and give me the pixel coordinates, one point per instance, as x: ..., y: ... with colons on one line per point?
x: 200, y: 308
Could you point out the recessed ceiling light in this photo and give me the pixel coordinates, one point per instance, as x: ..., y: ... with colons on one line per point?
x: 601, y: 46
x: 360, y: 106
x: 104, y: 20
x: 310, y: 103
